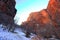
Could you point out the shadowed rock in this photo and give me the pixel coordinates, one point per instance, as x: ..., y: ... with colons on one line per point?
x: 7, y: 12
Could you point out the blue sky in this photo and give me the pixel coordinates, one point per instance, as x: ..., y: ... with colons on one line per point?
x: 25, y: 7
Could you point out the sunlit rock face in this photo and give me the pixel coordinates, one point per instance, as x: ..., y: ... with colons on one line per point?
x: 38, y: 23
x: 54, y: 11
x: 8, y: 7
x: 45, y: 22
x: 40, y: 17
x: 7, y: 11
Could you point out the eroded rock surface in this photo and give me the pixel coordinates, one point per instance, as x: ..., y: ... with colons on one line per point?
x: 45, y: 22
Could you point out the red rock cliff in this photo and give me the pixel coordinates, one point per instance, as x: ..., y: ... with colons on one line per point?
x: 45, y: 21
x: 8, y: 7
x: 54, y: 10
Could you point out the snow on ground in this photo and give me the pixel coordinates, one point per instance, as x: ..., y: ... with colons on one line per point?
x: 5, y: 35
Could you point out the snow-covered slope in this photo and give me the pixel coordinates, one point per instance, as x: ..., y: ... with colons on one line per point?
x: 5, y: 35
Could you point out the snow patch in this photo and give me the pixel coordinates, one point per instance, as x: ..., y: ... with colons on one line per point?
x: 5, y: 35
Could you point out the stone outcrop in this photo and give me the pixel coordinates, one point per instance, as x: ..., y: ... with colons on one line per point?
x: 7, y: 10
x: 45, y: 22
x: 7, y: 13
x: 38, y: 23
x: 54, y: 11
x: 8, y: 7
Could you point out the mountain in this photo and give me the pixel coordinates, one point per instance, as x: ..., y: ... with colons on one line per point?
x: 46, y: 22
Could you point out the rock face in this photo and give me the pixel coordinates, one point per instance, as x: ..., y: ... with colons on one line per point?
x: 38, y: 23
x: 7, y: 11
x: 45, y: 22
x: 8, y: 7
x: 54, y: 10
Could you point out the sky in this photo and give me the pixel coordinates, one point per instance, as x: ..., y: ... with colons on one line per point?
x: 25, y: 7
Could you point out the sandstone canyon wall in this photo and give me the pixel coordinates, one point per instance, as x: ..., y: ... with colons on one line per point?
x: 7, y: 11
x: 45, y: 22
